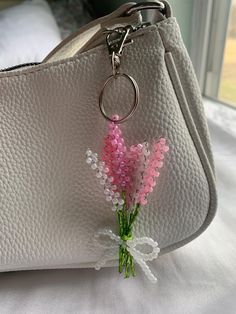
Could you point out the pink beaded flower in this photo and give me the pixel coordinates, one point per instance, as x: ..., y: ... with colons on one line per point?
x: 134, y: 170
x: 128, y: 176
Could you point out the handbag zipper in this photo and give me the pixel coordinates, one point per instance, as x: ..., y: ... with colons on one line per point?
x: 112, y: 47
x: 19, y: 66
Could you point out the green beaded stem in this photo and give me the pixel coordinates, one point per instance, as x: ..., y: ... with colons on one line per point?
x: 126, y: 219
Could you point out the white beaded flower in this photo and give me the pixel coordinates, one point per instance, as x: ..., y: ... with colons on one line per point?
x: 111, y: 195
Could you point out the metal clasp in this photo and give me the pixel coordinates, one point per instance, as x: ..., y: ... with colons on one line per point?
x: 116, y: 41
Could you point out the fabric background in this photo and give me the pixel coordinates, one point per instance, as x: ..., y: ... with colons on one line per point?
x: 28, y: 32
x: 70, y: 15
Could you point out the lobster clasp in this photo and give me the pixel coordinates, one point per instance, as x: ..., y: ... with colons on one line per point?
x: 117, y: 39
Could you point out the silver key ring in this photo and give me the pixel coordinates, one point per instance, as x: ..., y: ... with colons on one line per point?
x: 136, y: 97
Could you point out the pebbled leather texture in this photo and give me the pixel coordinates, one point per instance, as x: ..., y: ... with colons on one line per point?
x: 50, y: 202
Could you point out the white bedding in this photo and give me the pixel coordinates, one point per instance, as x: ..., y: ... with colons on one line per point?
x: 28, y: 32
x: 199, y: 278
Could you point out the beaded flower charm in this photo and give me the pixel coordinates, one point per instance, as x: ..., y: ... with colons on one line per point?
x: 128, y: 176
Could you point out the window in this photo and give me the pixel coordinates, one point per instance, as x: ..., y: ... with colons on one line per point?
x: 213, y: 48
x: 227, y: 91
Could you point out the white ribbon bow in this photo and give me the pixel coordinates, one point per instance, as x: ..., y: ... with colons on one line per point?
x: 112, y: 248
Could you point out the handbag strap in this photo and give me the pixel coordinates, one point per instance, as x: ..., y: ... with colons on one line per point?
x: 79, y: 41
x: 91, y: 34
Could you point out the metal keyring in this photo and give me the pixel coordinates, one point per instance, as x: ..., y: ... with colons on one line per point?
x: 136, y: 97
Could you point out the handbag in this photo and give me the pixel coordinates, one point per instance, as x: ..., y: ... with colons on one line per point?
x: 131, y: 85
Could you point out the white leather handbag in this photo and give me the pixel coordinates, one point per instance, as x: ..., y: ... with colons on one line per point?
x: 118, y: 87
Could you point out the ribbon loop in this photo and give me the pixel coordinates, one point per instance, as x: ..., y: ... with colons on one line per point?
x: 113, y: 242
x: 148, y: 242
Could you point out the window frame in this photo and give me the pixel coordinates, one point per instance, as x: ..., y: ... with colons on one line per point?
x: 208, y: 38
